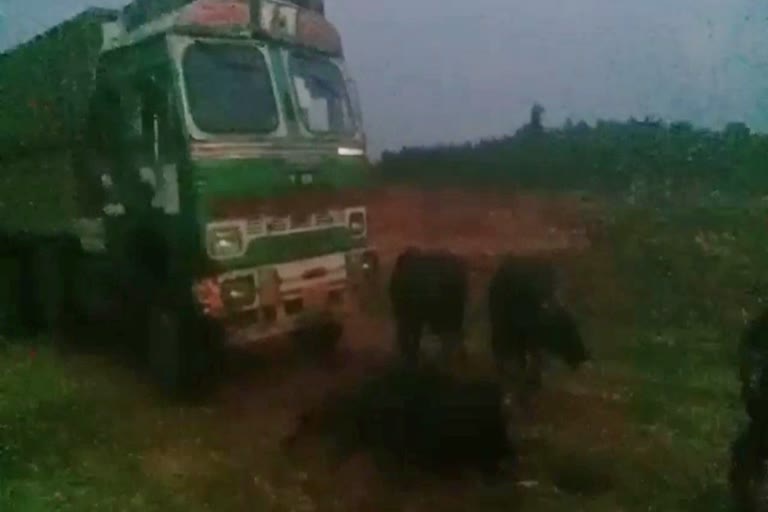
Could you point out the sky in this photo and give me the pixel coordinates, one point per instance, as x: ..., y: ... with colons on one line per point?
x: 440, y: 71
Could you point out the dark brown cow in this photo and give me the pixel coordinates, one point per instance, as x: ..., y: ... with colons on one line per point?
x: 527, y: 319
x: 428, y: 289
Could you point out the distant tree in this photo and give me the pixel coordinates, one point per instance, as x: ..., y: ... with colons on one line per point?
x: 582, y: 127
x: 609, y: 156
x: 535, y: 124
x: 680, y: 127
x: 738, y: 131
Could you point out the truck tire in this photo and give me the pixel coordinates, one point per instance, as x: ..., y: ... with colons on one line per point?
x: 19, y: 312
x: 167, y: 329
x: 182, y: 347
x: 48, y: 282
x: 80, y: 323
x: 89, y: 320
x: 56, y: 266
x: 12, y: 318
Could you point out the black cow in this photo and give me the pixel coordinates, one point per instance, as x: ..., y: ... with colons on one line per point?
x: 753, y: 368
x: 429, y: 289
x: 527, y: 319
x: 425, y: 418
x: 431, y: 419
x: 749, y: 452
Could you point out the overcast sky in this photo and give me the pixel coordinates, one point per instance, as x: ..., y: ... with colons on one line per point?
x: 451, y: 70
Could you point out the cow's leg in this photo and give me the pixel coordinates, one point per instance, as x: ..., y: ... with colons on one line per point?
x: 526, y: 362
x: 408, y: 339
x: 500, y: 354
x: 452, y: 344
x: 504, y: 350
x: 461, y: 349
x: 497, y: 350
x: 533, y: 378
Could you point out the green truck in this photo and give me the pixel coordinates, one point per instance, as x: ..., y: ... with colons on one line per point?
x: 192, y: 171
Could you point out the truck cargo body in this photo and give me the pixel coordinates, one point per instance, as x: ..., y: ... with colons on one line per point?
x: 45, y: 85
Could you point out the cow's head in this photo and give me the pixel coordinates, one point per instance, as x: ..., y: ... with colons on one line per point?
x: 564, y: 337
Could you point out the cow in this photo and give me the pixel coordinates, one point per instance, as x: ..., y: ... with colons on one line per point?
x: 423, y: 417
x: 428, y: 289
x: 749, y: 452
x: 753, y: 368
x: 459, y: 423
x: 527, y: 319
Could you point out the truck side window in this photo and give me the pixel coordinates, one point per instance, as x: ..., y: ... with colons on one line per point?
x: 170, y: 129
x: 99, y: 153
x: 142, y: 118
x: 158, y: 126
x: 102, y: 134
x: 155, y: 139
x: 132, y: 125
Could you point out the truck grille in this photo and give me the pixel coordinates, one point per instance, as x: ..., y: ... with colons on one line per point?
x: 255, y: 227
x: 266, y: 225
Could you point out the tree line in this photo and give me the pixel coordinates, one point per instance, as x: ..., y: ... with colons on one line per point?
x: 636, y: 156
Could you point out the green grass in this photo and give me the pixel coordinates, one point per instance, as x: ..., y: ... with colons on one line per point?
x: 59, y: 442
x: 691, y: 278
x: 663, y: 300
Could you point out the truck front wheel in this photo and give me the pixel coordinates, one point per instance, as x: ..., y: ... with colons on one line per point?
x: 14, y: 310
x: 48, y: 264
x: 165, y: 352
x: 182, y: 349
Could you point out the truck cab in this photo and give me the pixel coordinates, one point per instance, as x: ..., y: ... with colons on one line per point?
x: 223, y: 170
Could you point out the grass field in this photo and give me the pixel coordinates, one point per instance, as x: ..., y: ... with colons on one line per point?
x: 663, y: 295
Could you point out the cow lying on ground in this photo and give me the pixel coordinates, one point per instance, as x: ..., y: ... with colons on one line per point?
x: 749, y: 452
x: 527, y: 320
x: 428, y: 289
x: 422, y: 417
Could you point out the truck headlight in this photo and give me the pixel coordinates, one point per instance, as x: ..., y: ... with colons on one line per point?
x: 357, y: 223
x: 225, y: 242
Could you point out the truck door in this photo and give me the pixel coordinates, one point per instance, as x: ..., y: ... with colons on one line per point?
x: 94, y: 160
x: 147, y: 177
x: 153, y: 140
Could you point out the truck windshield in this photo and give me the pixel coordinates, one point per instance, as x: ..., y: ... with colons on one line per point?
x: 322, y: 94
x: 229, y: 89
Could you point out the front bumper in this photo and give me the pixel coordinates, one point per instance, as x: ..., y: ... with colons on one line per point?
x: 256, y: 304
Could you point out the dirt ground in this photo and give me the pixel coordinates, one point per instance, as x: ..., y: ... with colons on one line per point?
x: 263, y: 406
x: 479, y: 224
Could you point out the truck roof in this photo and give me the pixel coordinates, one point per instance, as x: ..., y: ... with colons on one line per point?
x: 300, y: 22
x: 140, y: 12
